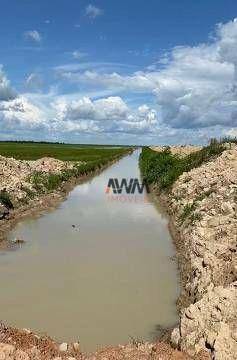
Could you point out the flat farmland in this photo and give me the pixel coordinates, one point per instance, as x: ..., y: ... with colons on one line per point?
x: 64, y: 152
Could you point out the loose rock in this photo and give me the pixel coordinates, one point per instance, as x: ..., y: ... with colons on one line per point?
x: 63, y: 347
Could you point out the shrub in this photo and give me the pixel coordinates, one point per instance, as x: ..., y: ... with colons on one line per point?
x: 5, y: 199
x: 37, y: 180
x: 52, y: 181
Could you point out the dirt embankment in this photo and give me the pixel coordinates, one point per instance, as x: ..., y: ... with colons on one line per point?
x: 178, y: 150
x: 15, y: 174
x: 203, y: 208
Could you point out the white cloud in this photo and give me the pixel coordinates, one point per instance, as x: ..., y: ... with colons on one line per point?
x: 106, y: 120
x: 93, y: 12
x: 111, y: 108
x: 33, y: 35
x: 232, y: 132
x: 195, y: 86
x: 138, y: 82
x: 6, y: 91
x: 19, y: 113
x: 78, y: 54
x: 110, y: 114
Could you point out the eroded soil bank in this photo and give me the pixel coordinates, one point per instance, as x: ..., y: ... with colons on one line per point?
x: 203, y: 209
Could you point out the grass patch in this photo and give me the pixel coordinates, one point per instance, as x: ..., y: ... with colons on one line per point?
x: 187, y: 211
x: 204, y: 195
x: 46, y: 182
x: 37, y: 181
x: 195, y: 217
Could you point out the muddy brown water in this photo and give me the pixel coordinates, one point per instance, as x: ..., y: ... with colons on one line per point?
x: 105, y: 279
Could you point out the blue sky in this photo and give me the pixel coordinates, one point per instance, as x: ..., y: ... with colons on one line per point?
x: 108, y: 71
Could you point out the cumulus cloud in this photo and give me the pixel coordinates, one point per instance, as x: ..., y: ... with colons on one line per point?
x: 93, y: 12
x: 195, y: 87
x: 16, y: 112
x: 33, y: 35
x: 110, y: 114
x: 198, y: 86
x: 137, y: 82
x: 83, y: 115
x: 19, y: 113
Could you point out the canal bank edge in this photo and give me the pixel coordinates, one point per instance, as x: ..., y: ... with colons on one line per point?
x: 41, y: 201
x: 202, y: 206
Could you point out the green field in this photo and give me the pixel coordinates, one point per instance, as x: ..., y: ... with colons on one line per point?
x: 33, y: 151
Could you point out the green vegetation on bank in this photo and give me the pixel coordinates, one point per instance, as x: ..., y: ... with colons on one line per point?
x: 189, y: 209
x: 69, y: 152
x: 46, y: 182
x: 163, y: 168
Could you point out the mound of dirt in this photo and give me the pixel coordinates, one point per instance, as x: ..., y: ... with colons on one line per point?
x: 15, y: 173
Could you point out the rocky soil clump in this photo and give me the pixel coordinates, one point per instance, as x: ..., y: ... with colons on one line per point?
x: 203, y: 204
x: 15, y: 175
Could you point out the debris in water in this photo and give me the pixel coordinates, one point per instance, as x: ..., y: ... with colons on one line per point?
x: 18, y: 241
x: 75, y: 226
